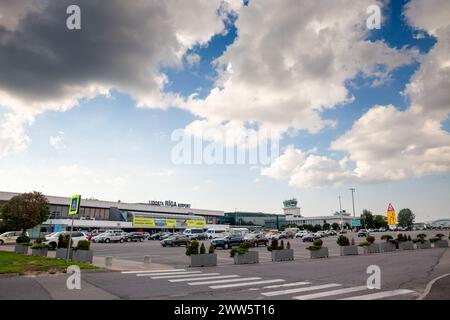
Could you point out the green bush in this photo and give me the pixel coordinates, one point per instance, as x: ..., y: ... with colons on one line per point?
x: 318, y: 243
x: 421, y: 235
x: 409, y: 238
x: 434, y: 239
x: 211, y: 249
x: 39, y: 246
x: 23, y: 240
x: 83, y: 245
x: 39, y: 240
x: 343, y: 241
x: 313, y: 248
x: 63, y: 241
x: 364, y: 244
x: 370, y: 239
x: 394, y: 242
x: 242, y: 249
x: 401, y: 237
x: 192, y: 248
x: 419, y: 239
x: 386, y: 237
x: 440, y: 235
x: 202, y: 249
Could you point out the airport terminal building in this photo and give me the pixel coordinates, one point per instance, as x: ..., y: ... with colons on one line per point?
x: 151, y: 216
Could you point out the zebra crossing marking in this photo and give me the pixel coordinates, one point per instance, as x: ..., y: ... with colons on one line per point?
x: 222, y: 281
x: 184, y: 276
x: 151, y: 271
x: 205, y: 278
x: 242, y: 284
x: 380, y: 295
x: 330, y: 293
x: 167, y: 274
x: 288, y: 291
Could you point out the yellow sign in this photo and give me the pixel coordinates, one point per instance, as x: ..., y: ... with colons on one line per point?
x: 392, y: 218
x: 144, y: 222
x: 195, y: 223
x: 171, y: 223
x: 74, y: 205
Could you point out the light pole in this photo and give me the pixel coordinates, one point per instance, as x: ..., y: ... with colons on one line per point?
x: 353, y: 200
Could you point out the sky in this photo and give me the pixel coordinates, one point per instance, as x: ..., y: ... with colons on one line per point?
x: 116, y: 110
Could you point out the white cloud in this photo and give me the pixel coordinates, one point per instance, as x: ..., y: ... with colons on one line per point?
x: 193, y: 59
x: 57, y: 141
x: 388, y: 144
x: 13, y: 137
x: 290, y: 61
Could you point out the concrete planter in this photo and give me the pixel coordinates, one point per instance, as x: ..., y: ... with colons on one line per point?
x: 321, y: 253
x: 21, y: 249
x: 283, y: 255
x: 204, y: 260
x: 373, y: 248
x: 42, y: 252
x: 61, y: 253
x: 349, y: 250
x: 248, y: 258
x: 406, y: 245
x: 441, y: 244
x: 83, y: 255
x: 425, y: 245
x: 387, y: 247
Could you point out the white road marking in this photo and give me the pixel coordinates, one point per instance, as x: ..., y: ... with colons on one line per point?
x: 149, y: 271
x: 243, y: 284
x: 429, y: 285
x: 293, y: 284
x: 330, y: 293
x: 167, y: 273
x: 288, y: 291
x: 205, y: 278
x: 380, y: 295
x: 222, y: 281
x: 184, y: 276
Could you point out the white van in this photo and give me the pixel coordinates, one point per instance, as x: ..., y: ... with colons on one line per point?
x: 215, y: 233
x: 192, y: 231
x: 239, y: 231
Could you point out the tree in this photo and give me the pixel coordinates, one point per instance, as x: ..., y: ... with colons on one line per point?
x: 25, y: 211
x: 405, y: 218
x: 367, y: 219
x: 335, y: 226
x: 380, y: 221
x: 326, y: 226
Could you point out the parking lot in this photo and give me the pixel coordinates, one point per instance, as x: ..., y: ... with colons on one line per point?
x: 175, y: 256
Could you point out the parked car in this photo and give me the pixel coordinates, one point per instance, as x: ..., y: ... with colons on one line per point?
x: 256, y: 239
x: 10, y: 237
x: 107, y: 237
x: 52, y: 239
x: 215, y: 233
x: 199, y: 236
x: 176, y: 240
x: 158, y: 235
x: 135, y: 237
x: 301, y: 233
x: 166, y: 235
x: 363, y: 233
x: 273, y: 235
x: 286, y: 235
x: 227, y: 241
x: 310, y: 237
x: 332, y: 233
x: 191, y: 231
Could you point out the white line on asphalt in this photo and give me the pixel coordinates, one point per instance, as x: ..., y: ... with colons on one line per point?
x: 149, y: 271
x: 245, y: 284
x: 205, y: 278
x: 380, y: 295
x: 429, y: 285
x: 184, y: 276
x: 281, y: 292
x: 293, y: 284
x: 222, y: 281
x: 166, y: 273
x: 330, y: 293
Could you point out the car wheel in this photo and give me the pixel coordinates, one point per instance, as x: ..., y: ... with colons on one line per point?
x: 121, y: 240
x: 107, y: 241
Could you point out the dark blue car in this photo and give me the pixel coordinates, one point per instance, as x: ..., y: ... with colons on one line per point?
x: 228, y: 241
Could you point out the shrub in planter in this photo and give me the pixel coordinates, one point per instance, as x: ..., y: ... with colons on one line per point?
x: 390, y: 244
x: 421, y: 243
x: 369, y: 247
x: 241, y: 254
x: 439, y: 242
x: 404, y: 242
x: 22, y: 244
x: 317, y: 251
x: 82, y: 252
x: 63, y: 244
x: 345, y: 247
x: 39, y: 249
x: 199, y: 258
x: 279, y: 253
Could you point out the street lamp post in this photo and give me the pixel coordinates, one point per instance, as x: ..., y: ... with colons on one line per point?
x: 353, y: 200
